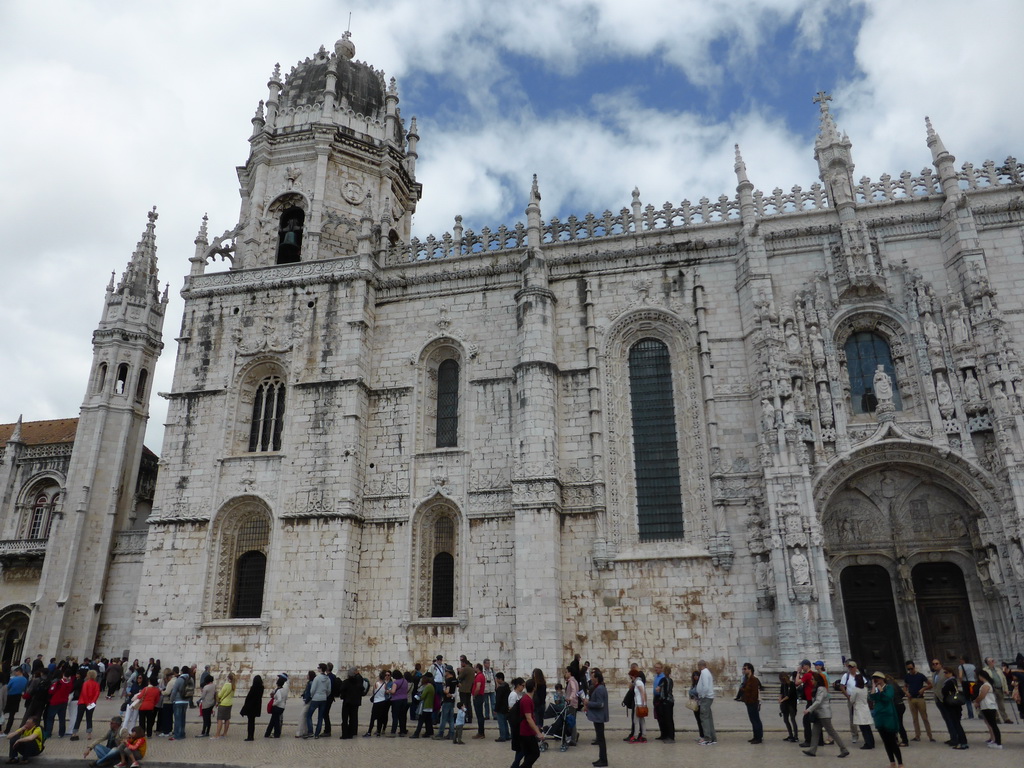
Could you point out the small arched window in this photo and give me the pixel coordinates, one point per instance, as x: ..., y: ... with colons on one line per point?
x: 140, y: 388
x: 447, y: 433
x: 101, y: 376
x: 655, y: 443
x: 267, y: 416
x: 289, y: 235
x: 121, y: 383
x: 865, y: 351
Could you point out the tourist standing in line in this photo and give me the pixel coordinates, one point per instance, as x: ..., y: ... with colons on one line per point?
x: 640, y: 707
x: 207, y: 701
x: 967, y: 674
x: 303, y: 731
x: 540, y: 697
x: 87, y: 699
x: 501, y: 692
x: 278, y: 700
x: 479, y: 694
x: 319, y: 690
x: 597, y: 713
x: 399, y: 703
x: 379, y: 703
x: 225, y: 700
x: 750, y: 694
x: 490, y: 688
x: 986, y: 699
x: 862, y: 711
x: 252, y: 707
x: 820, y: 710
x: 705, y: 698
x: 787, y: 706
x: 426, y: 701
x: 915, y: 685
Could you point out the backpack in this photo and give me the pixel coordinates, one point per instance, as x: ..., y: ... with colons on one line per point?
x: 336, y: 687
x: 190, y: 689
x: 515, y: 717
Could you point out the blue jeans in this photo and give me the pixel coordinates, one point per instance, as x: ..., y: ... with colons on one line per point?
x: 318, y: 707
x: 503, y: 732
x: 754, y: 714
x: 489, y: 704
x: 447, y: 718
x: 105, y: 755
x: 59, y: 711
x: 180, y: 708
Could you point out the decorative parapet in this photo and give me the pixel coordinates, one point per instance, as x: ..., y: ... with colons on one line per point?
x: 306, y: 272
x: 22, y: 548
x: 130, y: 543
x: 46, y: 451
x: 638, y: 219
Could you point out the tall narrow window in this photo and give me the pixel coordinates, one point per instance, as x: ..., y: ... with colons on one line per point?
x: 101, y: 377
x: 140, y: 389
x: 655, y: 443
x: 238, y: 571
x: 447, y: 404
x: 289, y: 236
x: 122, y: 379
x: 443, y: 568
x: 865, y: 351
x: 252, y: 572
x: 267, y: 416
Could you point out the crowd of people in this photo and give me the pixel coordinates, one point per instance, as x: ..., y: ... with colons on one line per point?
x: 440, y: 701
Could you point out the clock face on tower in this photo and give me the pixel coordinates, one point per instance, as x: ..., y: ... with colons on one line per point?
x: 352, y: 192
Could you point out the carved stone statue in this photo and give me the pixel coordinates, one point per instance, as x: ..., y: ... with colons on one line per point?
x: 792, y: 341
x: 945, y: 397
x: 767, y: 414
x: 825, y: 406
x: 1000, y: 402
x: 971, y: 388
x: 883, y: 385
x: 906, y: 580
x: 959, y: 325
x: 801, y: 569
x: 931, y: 331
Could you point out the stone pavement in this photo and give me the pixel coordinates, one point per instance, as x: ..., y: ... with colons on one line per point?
x: 730, y: 721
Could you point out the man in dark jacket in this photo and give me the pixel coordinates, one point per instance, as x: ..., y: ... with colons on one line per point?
x: 353, y: 688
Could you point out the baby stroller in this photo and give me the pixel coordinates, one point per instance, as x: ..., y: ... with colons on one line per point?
x: 562, y: 723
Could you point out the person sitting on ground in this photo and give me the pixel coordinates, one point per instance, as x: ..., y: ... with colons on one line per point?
x: 26, y: 742
x: 134, y: 748
x: 106, y: 748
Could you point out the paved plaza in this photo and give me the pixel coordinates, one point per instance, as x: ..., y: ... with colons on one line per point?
x: 730, y: 720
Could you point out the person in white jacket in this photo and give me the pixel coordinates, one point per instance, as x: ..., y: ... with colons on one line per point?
x: 861, y: 711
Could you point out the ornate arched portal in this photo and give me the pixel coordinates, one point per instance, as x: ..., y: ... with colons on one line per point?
x: 911, y: 538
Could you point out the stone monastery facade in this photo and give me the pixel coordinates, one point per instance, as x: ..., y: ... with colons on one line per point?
x: 758, y: 428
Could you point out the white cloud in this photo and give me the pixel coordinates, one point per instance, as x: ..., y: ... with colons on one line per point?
x: 112, y: 107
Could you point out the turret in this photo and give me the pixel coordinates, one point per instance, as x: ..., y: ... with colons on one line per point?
x: 835, y: 161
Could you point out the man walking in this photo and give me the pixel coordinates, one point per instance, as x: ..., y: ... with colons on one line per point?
x: 705, y: 698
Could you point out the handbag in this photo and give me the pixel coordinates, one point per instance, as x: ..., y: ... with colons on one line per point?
x: 692, y: 705
x: 642, y: 711
x: 955, y: 699
x: 270, y: 705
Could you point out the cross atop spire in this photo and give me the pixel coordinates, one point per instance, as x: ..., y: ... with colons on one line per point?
x: 823, y: 98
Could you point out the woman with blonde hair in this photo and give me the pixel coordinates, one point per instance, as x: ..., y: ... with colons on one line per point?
x: 225, y: 700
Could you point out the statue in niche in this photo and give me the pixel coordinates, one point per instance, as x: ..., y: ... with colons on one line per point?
x: 883, y: 385
x: 761, y: 574
x: 767, y: 414
x: 971, y: 388
x: 1016, y: 559
x: 792, y: 341
x: 1000, y: 402
x: 906, y: 583
x: 945, y: 397
x: 801, y: 569
x: 959, y: 325
x: 788, y: 415
x: 931, y: 331
x: 825, y: 406
x: 817, y: 346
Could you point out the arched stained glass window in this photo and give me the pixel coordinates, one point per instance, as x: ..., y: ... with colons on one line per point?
x: 655, y: 443
x: 447, y: 404
x: 865, y: 351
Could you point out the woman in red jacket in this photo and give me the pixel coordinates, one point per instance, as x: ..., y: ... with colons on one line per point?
x: 87, y: 699
x: 148, y: 697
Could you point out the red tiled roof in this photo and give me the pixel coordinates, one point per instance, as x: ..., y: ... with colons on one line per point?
x: 42, y: 432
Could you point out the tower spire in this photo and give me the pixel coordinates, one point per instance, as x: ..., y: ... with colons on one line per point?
x: 140, y: 277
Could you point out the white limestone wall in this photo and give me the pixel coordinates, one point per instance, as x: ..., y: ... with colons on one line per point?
x: 120, y: 597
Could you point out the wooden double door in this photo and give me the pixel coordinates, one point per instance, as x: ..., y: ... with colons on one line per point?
x: 872, y: 622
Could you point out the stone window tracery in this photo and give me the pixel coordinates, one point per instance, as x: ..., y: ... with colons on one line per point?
x: 437, y: 562
x: 242, y: 543
x: 267, y: 420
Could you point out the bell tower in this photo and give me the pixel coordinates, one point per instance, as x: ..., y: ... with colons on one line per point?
x: 328, y: 146
x: 105, y: 463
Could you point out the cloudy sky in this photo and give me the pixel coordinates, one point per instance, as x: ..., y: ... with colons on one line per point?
x: 115, y: 106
